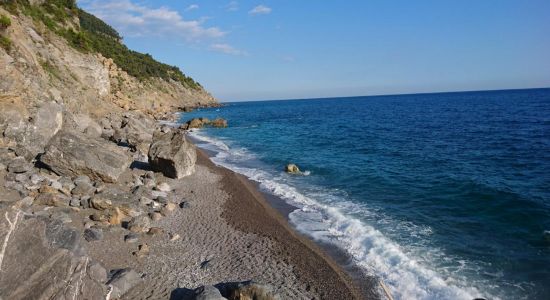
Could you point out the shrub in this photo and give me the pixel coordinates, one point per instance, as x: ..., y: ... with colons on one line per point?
x: 5, y: 43
x: 5, y: 22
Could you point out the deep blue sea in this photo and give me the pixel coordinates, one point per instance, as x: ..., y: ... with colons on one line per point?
x: 444, y: 196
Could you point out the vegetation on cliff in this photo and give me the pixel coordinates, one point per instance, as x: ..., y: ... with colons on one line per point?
x: 91, y: 34
x: 5, y: 42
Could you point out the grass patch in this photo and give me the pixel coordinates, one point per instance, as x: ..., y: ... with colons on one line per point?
x: 5, y: 43
x: 52, y: 70
x: 5, y: 22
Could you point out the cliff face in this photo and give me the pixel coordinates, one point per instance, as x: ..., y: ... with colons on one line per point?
x: 41, y: 66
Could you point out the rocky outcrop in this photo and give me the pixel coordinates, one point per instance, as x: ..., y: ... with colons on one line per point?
x: 69, y: 154
x: 171, y: 154
x: 204, y: 122
x: 135, y: 130
x: 292, y: 169
x: 45, y: 260
x: 31, y: 136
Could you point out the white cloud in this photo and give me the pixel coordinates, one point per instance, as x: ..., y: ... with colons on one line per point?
x: 232, y: 6
x: 192, y: 7
x: 260, y: 10
x: 227, y: 49
x: 134, y: 19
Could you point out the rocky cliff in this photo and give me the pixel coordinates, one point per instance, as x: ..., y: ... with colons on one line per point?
x: 44, y: 60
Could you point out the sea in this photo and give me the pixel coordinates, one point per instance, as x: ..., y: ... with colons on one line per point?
x: 442, y: 196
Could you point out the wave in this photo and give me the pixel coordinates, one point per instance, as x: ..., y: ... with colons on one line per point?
x: 335, y: 221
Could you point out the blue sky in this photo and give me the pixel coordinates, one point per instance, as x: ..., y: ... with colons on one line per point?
x: 261, y: 50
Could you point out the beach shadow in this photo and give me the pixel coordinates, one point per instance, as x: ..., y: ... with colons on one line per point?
x: 140, y: 165
x: 182, y: 294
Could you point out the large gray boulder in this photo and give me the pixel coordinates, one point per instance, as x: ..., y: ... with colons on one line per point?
x: 171, y: 154
x: 44, y: 259
x: 31, y: 137
x: 136, y: 130
x: 69, y: 154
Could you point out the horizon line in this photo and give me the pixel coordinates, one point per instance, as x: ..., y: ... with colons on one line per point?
x: 389, y: 95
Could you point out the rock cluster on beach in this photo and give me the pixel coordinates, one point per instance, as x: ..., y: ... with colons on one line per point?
x: 74, y: 188
x: 204, y: 122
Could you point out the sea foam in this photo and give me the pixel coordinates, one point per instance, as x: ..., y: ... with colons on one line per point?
x: 334, y: 223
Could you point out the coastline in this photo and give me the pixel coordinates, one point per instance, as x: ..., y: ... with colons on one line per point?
x: 249, y: 211
x: 229, y: 234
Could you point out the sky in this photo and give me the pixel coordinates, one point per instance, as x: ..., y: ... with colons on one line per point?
x: 291, y: 49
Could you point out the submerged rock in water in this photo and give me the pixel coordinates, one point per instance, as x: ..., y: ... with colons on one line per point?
x: 69, y: 154
x: 171, y: 154
x: 219, y: 122
x: 292, y: 169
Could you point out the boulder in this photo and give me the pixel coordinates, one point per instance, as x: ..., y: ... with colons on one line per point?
x: 93, y: 234
x: 44, y: 259
x: 19, y: 165
x: 34, y: 136
x: 251, y: 291
x: 136, y: 131
x: 122, y: 281
x: 87, y: 125
x: 69, y: 154
x: 171, y: 154
x: 219, y: 122
x: 292, y: 169
x: 208, y: 293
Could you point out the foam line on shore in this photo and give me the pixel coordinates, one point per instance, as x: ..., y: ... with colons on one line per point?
x: 405, y: 277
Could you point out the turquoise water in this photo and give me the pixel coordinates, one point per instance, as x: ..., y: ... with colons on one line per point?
x: 444, y: 196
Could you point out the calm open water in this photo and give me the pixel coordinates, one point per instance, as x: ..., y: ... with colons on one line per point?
x: 444, y: 196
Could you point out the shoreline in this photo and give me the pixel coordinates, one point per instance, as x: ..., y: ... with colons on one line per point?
x: 324, y: 265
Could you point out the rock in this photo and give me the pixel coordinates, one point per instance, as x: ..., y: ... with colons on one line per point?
x: 56, y: 185
x: 197, y: 123
x: 219, y: 122
x: 292, y: 169
x: 87, y: 125
x: 143, y: 250
x: 174, y: 237
x: 45, y: 260
x: 74, y: 202
x: 158, y: 194
x: 144, y: 201
x: 251, y: 290
x: 139, y: 224
x: 97, y: 272
x: 155, y: 216
x: 136, y: 131
x: 131, y: 238
x: 19, y: 165
x: 93, y: 234
x: 116, y: 216
x: 168, y: 209
x: 82, y: 179
x: 184, y: 204
x: 100, y: 203
x: 83, y: 189
x: 208, y: 293
x: 61, y: 216
x: 68, y: 154
x: 163, y: 187
x: 171, y: 154
x: 32, y: 139
x: 155, y: 231
x: 122, y: 281
x: 52, y: 199
x: 37, y: 179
